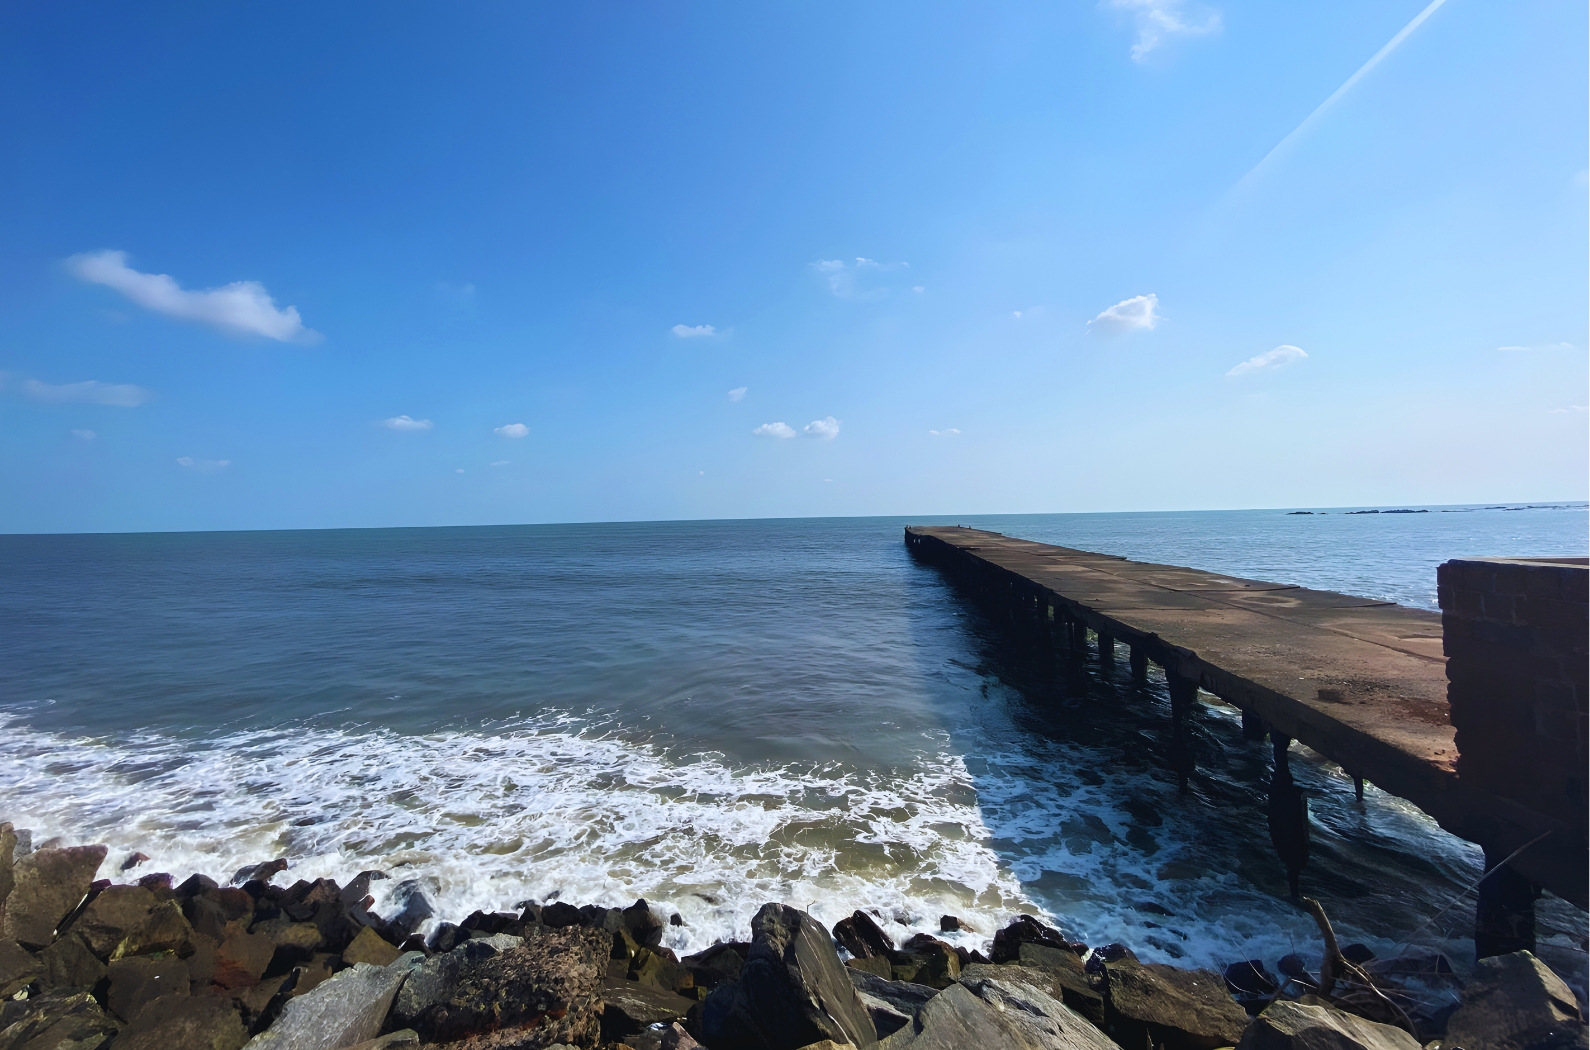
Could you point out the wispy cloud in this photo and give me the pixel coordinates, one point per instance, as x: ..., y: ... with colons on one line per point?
x: 1128, y: 315
x: 240, y: 307
x: 1542, y: 346
x: 84, y: 435
x: 856, y: 280
x: 693, y: 331
x: 500, y: 463
x: 1269, y: 361
x: 511, y: 430
x: 775, y: 430
x: 203, y: 466
x: 405, y: 423
x: 1158, y: 20
x: 90, y: 391
x: 826, y: 428
x: 1570, y: 410
x: 737, y: 394
x: 950, y: 432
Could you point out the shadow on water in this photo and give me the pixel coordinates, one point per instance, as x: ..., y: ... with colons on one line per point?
x: 1070, y: 759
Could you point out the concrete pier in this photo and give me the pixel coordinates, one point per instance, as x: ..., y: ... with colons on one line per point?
x: 1362, y: 682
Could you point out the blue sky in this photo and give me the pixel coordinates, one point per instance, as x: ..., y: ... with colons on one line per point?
x: 282, y: 265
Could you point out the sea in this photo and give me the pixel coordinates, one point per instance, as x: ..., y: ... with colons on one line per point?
x: 711, y: 715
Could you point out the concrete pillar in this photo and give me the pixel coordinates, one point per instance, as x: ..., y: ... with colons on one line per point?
x: 1288, y: 814
x: 1106, y: 649
x: 1183, y: 693
x: 1253, y: 728
x: 1504, y: 915
x: 1139, y: 662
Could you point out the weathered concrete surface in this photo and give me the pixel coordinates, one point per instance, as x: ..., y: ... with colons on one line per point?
x: 1360, y: 681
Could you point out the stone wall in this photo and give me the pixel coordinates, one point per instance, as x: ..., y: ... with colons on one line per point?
x: 1515, y: 633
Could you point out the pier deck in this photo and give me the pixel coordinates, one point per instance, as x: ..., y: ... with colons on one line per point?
x: 1362, y: 682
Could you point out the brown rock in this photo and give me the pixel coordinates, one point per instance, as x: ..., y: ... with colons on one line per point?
x: 111, y: 915
x: 48, y: 884
x: 1170, y: 1007
x: 185, y: 1023
x: 1298, y: 1026
x: 241, y: 959
x: 162, y: 930
x: 8, y: 849
x: 1024, y: 929
x: 69, y: 965
x: 862, y: 938
x: 369, y: 947
x: 57, y: 1023
x: 630, y: 1008
x: 659, y: 970
x: 643, y: 924
x: 18, y: 968
x: 133, y: 861
x: 140, y: 980
x: 320, y: 967
x: 399, y: 1040
x: 876, y: 964
x: 1512, y: 1002
x: 1069, y: 981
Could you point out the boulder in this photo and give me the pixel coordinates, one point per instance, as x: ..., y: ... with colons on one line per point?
x: 558, y: 915
x: 985, y: 1011
x: 1071, y: 983
x: 643, y: 924
x: 69, y: 965
x: 792, y: 992
x: 185, y: 1023
x: 1512, y: 1002
x: 542, y: 991
x: 1294, y: 1026
x: 891, y: 1004
x: 877, y: 965
x: 73, y: 1022
x: 163, y: 930
x: 926, y: 960
x: 370, y: 947
x: 18, y: 968
x: 319, y: 968
x: 295, y: 942
x: 242, y: 958
x: 347, y: 1009
x: 862, y: 938
x: 48, y: 884
x: 136, y: 982
x: 720, y: 963
x: 629, y: 1008
x: 658, y: 969
x: 445, y: 938
x: 399, y: 1040
x: 111, y: 915
x: 195, y: 884
x: 1024, y: 929
x: 8, y: 850
x: 263, y: 872
x: 433, y: 979
x: 1169, y: 1007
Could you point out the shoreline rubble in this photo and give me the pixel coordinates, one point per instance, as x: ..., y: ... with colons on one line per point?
x: 147, y: 964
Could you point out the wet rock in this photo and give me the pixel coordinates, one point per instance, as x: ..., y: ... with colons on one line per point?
x: 357, y: 890
x: 1251, y: 977
x: 643, y: 924
x: 676, y: 919
x: 69, y: 965
x: 347, y: 1009
x: 793, y: 990
x: 73, y: 1022
x: 195, y: 884
x: 295, y: 942
x: 1295, y: 969
x: 47, y: 885
x: 185, y: 1023
x: 259, y: 872
x: 159, y: 883
x: 111, y: 915
x: 1512, y: 1002
x: 413, y: 907
x: 950, y: 924
x: 432, y: 980
x: 891, y: 1004
x: 926, y: 960
x: 8, y: 850
x: 558, y: 915
x: 1169, y: 1007
x: 445, y: 938
x: 1024, y: 929
x: 658, y: 969
x: 595, y: 917
x: 163, y: 930
x: 18, y: 968
x: 629, y: 1008
x: 984, y: 1011
x: 319, y: 969
x: 543, y: 991
x: 1070, y: 982
x: 133, y: 983
x: 862, y: 938
x: 242, y: 958
x: 877, y: 965
x: 1295, y: 1026
x: 718, y: 964
x: 369, y: 947
x: 133, y: 861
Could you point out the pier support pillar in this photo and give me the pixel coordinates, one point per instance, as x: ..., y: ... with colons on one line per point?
x: 1253, y: 728
x: 1504, y: 915
x: 1358, y: 787
x: 1106, y: 649
x: 1183, y: 693
x: 1288, y: 813
x: 1139, y: 662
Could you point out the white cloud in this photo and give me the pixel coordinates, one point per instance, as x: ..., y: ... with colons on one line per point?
x: 500, y: 463
x: 853, y: 280
x: 460, y: 470
x: 511, y: 430
x: 1128, y: 315
x: 405, y: 423
x: 204, y: 466
x: 86, y: 435
x: 1556, y: 411
x: 1158, y: 19
x: 242, y: 306
x: 91, y: 391
x: 918, y: 289
x: 775, y: 430
x: 826, y: 428
x: 737, y: 394
x: 1269, y: 361
x: 686, y: 331
x: 1542, y: 346
x: 951, y: 432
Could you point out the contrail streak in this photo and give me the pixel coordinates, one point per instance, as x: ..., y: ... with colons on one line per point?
x: 1309, y: 120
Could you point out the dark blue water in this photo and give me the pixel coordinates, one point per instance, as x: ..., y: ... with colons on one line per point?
x: 707, y: 714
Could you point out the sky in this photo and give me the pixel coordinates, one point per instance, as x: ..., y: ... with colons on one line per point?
x: 302, y: 266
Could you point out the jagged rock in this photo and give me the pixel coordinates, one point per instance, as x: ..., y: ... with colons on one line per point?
x: 674, y: 1037
x: 862, y: 938
x: 1514, y: 1002
x: 163, y: 930
x: 8, y: 849
x: 69, y: 965
x: 1072, y: 984
x: 413, y: 907
x: 643, y: 924
x: 657, y: 968
x: 1295, y: 1026
x: 951, y: 924
x: 47, y: 885
x: 595, y: 917
x: 133, y: 860
x: 195, y: 884
x: 135, y: 982
x: 311, y: 974
x: 926, y: 960
x: 1024, y: 929
x: 349, y: 1008
x: 295, y: 941
x: 159, y: 883
x: 629, y: 1008
x: 891, y: 1004
x: 878, y: 965
x: 18, y: 968
x: 185, y: 1023
x: 720, y: 963
x: 111, y: 915
x: 242, y: 958
x: 445, y: 938
x: 558, y: 915
x: 1169, y: 1007
x: 984, y: 1011
x: 73, y: 1022
x: 399, y: 1040
x: 357, y: 890
x: 793, y: 991
x: 260, y: 872
x: 369, y: 947
x: 543, y: 991
x: 433, y: 979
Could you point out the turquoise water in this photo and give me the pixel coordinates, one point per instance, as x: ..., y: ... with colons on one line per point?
x: 707, y: 714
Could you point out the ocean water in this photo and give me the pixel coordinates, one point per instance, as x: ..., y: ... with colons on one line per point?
x: 709, y: 715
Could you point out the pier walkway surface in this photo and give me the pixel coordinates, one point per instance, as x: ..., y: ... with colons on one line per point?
x: 1362, y: 682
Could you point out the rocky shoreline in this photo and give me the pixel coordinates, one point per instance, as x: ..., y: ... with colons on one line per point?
x: 149, y: 964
